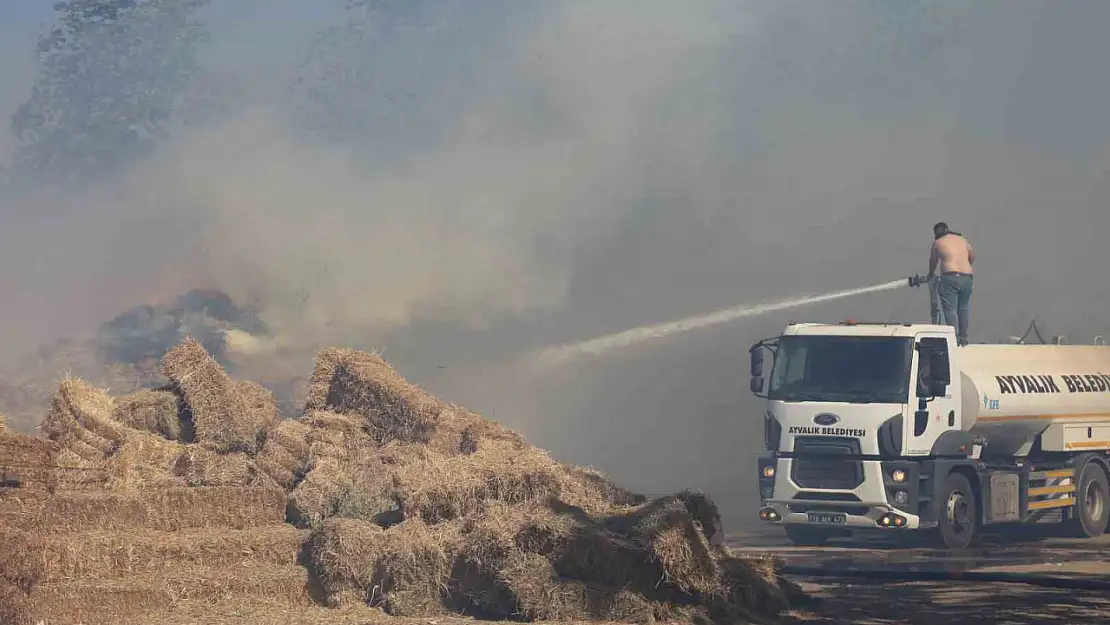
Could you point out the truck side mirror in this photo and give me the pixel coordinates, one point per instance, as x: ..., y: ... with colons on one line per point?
x: 938, y: 368
x: 756, y: 385
x: 757, y: 362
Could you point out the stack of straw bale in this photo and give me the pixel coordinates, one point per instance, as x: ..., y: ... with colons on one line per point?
x: 423, y: 508
x: 111, y: 558
x: 379, y: 497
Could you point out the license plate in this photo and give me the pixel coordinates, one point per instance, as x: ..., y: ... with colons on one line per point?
x: 827, y: 518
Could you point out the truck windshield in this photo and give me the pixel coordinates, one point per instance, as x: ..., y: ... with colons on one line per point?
x: 857, y: 369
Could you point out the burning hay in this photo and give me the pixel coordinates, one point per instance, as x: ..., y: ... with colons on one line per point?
x: 224, y: 417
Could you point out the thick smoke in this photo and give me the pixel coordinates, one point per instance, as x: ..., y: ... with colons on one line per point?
x: 498, y: 180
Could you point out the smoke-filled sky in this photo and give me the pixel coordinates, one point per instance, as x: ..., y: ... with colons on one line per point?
x: 501, y: 176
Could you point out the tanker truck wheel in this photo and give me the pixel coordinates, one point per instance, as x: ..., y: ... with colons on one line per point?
x: 1092, y: 503
x: 807, y: 536
x: 959, y: 513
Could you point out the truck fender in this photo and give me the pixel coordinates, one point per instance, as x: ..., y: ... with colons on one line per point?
x: 953, y: 443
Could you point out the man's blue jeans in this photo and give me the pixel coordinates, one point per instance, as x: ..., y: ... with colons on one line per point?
x: 955, y: 300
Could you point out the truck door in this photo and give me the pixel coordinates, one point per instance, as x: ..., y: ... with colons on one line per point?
x: 931, y: 416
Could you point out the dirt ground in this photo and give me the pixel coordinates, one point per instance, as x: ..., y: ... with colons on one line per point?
x: 1037, y: 552
x: 958, y: 603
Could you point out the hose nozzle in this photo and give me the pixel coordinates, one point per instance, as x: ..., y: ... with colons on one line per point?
x: 916, y: 281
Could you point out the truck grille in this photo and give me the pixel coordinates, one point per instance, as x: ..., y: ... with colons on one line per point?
x: 826, y: 463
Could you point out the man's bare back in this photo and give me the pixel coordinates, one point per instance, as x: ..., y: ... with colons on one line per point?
x: 953, y: 254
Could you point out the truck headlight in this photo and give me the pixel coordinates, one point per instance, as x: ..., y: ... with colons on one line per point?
x: 769, y: 471
x: 901, y: 497
x: 899, y: 476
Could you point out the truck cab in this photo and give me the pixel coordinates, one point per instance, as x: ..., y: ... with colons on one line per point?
x: 848, y: 407
x: 892, y: 427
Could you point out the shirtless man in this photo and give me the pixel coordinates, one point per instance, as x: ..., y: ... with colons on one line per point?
x: 954, y: 256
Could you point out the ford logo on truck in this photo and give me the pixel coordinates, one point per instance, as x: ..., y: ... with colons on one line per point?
x: 826, y: 419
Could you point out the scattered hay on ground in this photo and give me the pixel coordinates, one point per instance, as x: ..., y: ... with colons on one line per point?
x: 154, y: 411
x: 224, y: 418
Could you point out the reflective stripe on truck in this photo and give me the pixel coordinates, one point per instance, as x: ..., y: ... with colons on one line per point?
x: 1051, y: 489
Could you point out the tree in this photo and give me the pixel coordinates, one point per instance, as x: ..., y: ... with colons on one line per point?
x: 110, y: 73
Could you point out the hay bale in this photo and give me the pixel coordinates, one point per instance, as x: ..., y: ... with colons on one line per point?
x: 3, y: 423
x: 285, y: 454
x: 28, y: 461
x: 141, y: 461
x: 80, y: 417
x: 334, y: 488
x: 260, y: 402
x: 404, y: 569
x: 319, y: 383
x: 198, y: 466
x: 224, y: 417
x: 36, y: 559
x: 443, y: 488
x: 23, y: 450
x: 318, y: 495
x: 362, y: 384
x: 675, y: 541
x: 125, y: 600
x: 529, y: 588
x: 171, y: 509
x: 155, y: 411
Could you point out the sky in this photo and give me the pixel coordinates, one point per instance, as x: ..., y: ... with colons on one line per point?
x: 509, y: 177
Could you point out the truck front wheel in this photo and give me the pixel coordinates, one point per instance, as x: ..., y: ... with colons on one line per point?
x: 807, y: 536
x: 1092, y: 503
x: 959, y: 513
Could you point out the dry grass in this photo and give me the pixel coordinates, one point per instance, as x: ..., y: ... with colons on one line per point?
x: 171, y: 509
x: 34, y: 558
x: 224, y: 417
x: 151, y: 411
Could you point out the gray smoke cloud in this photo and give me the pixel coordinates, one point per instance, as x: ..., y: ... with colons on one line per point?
x: 504, y: 179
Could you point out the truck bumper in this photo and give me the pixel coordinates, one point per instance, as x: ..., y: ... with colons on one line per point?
x: 867, y: 506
